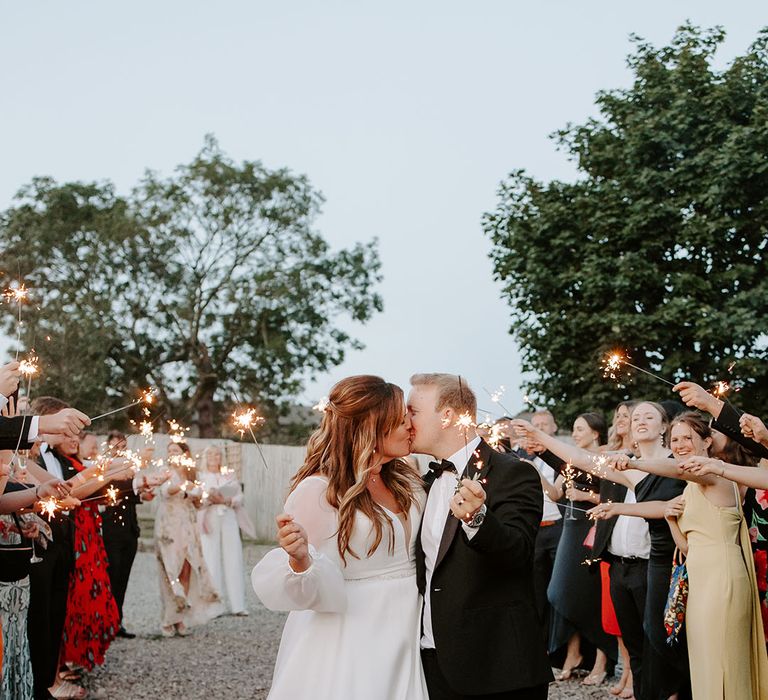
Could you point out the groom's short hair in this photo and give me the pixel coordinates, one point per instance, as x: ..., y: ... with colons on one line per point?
x: 452, y: 391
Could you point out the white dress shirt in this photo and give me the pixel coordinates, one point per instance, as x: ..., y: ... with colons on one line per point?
x: 435, y: 516
x: 51, y: 463
x: 630, y: 537
x: 551, y: 511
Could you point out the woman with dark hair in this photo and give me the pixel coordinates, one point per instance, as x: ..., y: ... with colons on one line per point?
x: 187, y: 592
x: 575, y: 589
x: 346, y: 568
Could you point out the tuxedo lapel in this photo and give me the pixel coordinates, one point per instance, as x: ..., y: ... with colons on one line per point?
x: 478, y: 461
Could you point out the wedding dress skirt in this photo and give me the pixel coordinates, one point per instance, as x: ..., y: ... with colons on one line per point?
x: 353, y: 632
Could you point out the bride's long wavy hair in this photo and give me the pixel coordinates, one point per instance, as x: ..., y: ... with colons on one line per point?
x: 360, y: 412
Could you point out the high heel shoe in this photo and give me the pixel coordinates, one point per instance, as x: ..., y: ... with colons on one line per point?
x: 595, y: 679
x: 568, y: 671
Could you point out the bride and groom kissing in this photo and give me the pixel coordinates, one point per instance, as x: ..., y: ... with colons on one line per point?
x: 403, y: 586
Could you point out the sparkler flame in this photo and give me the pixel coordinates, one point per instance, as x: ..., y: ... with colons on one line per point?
x: 612, y: 363
x: 112, y: 494
x: 18, y: 294
x: 177, y: 431
x: 721, y: 389
x: 246, y: 419
x: 49, y: 507
x: 29, y: 367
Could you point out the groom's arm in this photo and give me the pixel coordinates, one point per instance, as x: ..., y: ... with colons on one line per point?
x: 515, y: 505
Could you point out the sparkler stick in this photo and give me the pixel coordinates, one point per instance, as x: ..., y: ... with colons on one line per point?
x: 147, y: 397
x: 495, y: 396
x: 18, y: 294
x: 614, y: 360
x: 245, y: 419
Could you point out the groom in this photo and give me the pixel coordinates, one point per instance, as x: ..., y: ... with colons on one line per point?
x: 481, y: 636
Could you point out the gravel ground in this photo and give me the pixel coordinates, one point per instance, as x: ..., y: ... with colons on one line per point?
x: 230, y: 658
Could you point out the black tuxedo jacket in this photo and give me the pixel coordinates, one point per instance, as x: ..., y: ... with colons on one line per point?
x: 120, y: 522
x: 63, y: 524
x: 728, y: 423
x: 11, y: 429
x: 616, y: 493
x: 488, y: 637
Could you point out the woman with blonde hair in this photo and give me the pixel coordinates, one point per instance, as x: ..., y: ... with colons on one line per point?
x: 346, y: 566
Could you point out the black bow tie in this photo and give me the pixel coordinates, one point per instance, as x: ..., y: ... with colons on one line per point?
x: 437, y: 468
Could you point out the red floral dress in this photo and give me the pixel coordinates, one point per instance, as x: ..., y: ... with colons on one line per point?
x: 756, y: 512
x: 92, y: 619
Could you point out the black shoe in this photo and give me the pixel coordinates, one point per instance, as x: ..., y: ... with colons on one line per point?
x: 122, y: 632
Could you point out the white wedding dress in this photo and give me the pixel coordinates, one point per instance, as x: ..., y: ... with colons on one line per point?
x: 353, y: 633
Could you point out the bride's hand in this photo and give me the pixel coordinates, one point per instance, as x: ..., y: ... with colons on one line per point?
x: 293, y: 539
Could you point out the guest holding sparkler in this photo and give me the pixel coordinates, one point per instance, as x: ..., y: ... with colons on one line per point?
x: 551, y: 525
x: 346, y: 570
x: 723, y: 621
x: 187, y: 593
x: 574, y: 590
x: 92, y: 619
x: 664, y: 670
x: 220, y: 519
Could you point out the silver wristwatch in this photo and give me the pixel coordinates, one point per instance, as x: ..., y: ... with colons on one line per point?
x: 478, y: 517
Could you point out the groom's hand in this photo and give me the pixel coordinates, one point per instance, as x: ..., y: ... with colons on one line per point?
x: 467, y: 500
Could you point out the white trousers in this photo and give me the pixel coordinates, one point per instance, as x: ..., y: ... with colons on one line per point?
x: 223, y: 552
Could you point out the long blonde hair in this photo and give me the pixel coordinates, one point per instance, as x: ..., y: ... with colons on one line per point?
x: 361, y: 411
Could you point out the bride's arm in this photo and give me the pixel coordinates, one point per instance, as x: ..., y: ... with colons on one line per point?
x: 297, y: 576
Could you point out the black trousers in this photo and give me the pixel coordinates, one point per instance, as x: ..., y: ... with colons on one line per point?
x: 121, y: 551
x: 545, y: 550
x: 49, y: 585
x: 439, y: 689
x: 629, y: 583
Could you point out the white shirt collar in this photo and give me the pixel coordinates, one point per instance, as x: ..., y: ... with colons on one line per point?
x: 460, y: 458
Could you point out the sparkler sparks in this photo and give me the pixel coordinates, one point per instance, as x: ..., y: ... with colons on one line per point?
x: 29, y: 367
x: 177, y: 431
x: 613, y: 361
x: 112, y: 494
x: 246, y: 419
x: 49, y: 507
x: 721, y: 388
x: 18, y: 294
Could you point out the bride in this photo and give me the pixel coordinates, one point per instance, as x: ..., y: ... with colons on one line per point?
x: 346, y: 565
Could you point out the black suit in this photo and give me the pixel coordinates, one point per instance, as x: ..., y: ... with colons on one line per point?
x: 14, y: 433
x: 728, y: 423
x: 120, y: 530
x: 49, y: 586
x: 488, y: 637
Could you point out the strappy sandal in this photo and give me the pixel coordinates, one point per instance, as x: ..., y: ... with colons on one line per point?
x: 68, y: 691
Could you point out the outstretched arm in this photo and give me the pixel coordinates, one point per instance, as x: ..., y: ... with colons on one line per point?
x: 752, y: 477
x: 663, y: 467
x: 652, y: 510
x: 598, y: 465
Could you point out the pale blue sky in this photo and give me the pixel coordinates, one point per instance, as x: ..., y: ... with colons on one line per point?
x: 406, y: 115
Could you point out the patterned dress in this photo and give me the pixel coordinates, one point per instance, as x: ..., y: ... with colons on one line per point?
x: 756, y: 513
x: 92, y: 619
x: 14, y: 604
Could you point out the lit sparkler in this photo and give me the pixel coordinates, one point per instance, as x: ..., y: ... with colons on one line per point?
x: 48, y: 507
x: 177, y: 431
x: 615, y: 359
x: 495, y: 396
x: 112, y: 494
x: 146, y: 397
x: 721, y: 388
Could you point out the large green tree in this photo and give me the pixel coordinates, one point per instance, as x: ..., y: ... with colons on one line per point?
x: 210, y: 285
x: 658, y: 247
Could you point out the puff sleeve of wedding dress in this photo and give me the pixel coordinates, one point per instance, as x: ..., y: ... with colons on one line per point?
x: 319, y: 588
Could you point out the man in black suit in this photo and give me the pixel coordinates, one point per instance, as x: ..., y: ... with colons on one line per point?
x: 120, y: 530
x: 481, y: 635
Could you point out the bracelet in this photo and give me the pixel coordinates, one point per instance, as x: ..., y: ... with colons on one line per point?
x: 722, y: 468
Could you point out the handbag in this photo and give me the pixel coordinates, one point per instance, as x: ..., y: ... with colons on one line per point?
x: 674, y: 611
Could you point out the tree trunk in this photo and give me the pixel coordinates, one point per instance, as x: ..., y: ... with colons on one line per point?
x: 205, y: 411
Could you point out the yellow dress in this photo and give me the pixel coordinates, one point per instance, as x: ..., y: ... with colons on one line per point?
x: 724, y: 628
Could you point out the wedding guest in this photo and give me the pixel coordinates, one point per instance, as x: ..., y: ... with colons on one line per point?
x: 550, y: 527
x: 475, y: 554
x: 346, y: 570
x: 623, y: 544
x: 187, y: 592
x: 92, y: 620
x: 121, y: 532
x: 220, y: 529
x: 724, y: 632
x: 575, y: 589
